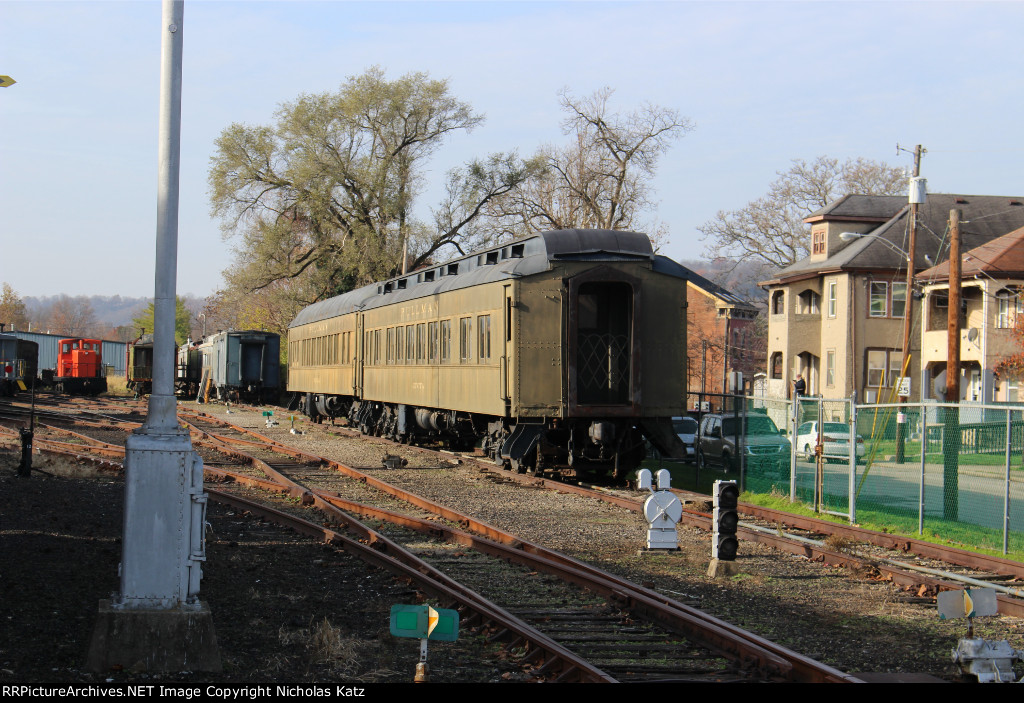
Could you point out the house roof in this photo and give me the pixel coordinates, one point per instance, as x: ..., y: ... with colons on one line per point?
x: 860, y: 207
x: 715, y: 290
x: 1000, y: 258
x: 983, y: 218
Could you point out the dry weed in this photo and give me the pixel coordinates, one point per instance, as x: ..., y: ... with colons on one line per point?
x: 838, y: 543
x: 346, y: 656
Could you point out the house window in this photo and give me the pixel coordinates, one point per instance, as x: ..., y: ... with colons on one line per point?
x: 879, y: 305
x: 830, y: 368
x: 776, y: 365
x: 1008, y: 307
x: 809, y: 303
x: 833, y: 298
x: 779, y: 303
x: 888, y: 299
x: 899, y: 299
x: 818, y: 241
x: 884, y: 367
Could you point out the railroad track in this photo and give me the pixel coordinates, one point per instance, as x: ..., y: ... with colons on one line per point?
x: 604, y: 620
x: 298, y: 465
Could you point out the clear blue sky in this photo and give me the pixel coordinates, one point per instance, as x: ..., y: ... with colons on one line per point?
x: 763, y: 82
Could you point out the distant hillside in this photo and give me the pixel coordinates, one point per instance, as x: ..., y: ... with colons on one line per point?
x: 108, y: 311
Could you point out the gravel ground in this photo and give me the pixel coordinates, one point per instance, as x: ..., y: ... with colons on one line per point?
x: 61, y: 549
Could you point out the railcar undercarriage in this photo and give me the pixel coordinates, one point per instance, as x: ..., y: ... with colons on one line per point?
x: 567, y: 449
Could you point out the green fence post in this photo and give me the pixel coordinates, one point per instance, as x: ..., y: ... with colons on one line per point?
x: 950, y: 463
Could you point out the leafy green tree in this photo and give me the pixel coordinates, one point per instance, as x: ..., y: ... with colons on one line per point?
x: 182, y: 321
x: 326, y: 193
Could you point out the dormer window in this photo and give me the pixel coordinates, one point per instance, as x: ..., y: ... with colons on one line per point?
x: 818, y: 240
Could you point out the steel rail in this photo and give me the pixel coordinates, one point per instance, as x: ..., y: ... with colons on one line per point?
x: 677, y: 617
x: 951, y: 555
x: 731, y: 642
x: 390, y: 556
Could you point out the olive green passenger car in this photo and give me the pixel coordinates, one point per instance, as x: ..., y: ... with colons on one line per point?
x: 557, y: 353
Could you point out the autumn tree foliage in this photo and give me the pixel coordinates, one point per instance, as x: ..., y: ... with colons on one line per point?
x: 1012, y: 365
x: 12, y: 309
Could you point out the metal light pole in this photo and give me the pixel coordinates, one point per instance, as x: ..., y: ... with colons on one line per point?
x: 916, y: 198
x: 156, y: 622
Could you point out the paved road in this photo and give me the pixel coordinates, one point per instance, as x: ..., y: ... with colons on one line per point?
x: 981, y: 490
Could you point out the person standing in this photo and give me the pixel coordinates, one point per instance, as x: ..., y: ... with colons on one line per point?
x: 799, y: 386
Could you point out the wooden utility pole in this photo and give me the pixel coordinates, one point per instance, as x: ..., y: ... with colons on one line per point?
x: 951, y: 431
x: 953, y: 317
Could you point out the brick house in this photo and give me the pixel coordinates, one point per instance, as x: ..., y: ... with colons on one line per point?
x: 721, y: 338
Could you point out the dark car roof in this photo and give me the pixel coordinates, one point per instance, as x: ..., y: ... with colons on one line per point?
x: 523, y: 257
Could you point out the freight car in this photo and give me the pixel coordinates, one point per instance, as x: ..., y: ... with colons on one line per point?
x: 188, y: 369
x: 139, y: 365
x: 555, y: 354
x: 241, y: 366
x: 80, y: 367
x: 19, y: 360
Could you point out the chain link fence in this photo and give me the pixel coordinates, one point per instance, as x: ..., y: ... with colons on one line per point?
x: 948, y: 471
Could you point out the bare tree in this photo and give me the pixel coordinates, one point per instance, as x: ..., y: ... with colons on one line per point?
x: 73, y: 317
x: 771, y: 229
x: 601, y: 178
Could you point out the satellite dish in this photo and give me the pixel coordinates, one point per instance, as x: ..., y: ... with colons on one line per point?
x: 972, y: 334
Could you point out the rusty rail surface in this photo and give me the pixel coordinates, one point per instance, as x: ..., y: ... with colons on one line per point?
x: 710, y: 632
x: 560, y: 663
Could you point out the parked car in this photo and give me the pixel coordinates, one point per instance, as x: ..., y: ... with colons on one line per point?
x: 835, y: 438
x: 764, y: 446
x: 686, y: 428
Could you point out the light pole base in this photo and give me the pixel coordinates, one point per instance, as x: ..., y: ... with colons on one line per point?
x: 153, y: 640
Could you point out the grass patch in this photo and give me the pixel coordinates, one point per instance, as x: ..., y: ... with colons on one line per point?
x: 118, y: 386
x: 983, y: 540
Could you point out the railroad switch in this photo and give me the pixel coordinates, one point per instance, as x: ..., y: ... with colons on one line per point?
x: 989, y: 661
x: 662, y: 509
